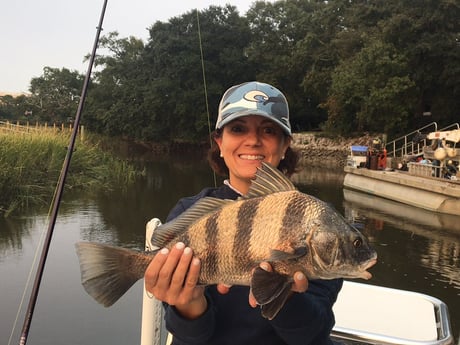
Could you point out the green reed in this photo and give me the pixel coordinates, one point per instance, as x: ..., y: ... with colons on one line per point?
x: 30, y: 165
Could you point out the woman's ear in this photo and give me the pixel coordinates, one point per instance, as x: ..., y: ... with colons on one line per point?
x: 287, y: 143
x: 218, y: 141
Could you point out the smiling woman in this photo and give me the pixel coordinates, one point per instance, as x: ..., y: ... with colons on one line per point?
x: 252, y: 128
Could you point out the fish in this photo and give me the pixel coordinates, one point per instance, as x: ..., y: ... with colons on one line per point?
x: 274, y: 222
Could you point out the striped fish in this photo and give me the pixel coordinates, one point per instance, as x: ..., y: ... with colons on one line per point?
x: 274, y: 222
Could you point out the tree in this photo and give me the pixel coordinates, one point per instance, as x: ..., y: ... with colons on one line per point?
x: 55, y: 94
x: 279, y: 31
x: 173, y: 55
x: 428, y: 34
x: 116, y: 102
x: 371, y: 92
x: 16, y: 108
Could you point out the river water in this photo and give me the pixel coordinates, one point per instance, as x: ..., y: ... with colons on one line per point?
x: 418, y: 251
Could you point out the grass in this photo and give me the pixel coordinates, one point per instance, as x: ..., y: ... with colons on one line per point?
x: 30, y: 165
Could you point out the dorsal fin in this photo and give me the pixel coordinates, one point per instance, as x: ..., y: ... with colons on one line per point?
x: 268, y: 180
x: 170, y: 230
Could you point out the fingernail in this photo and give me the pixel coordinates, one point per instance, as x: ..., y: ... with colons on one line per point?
x: 187, y: 251
x: 264, y: 266
x: 180, y: 245
x: 164, y: 251
x: 300, y: 276
x: 195, y: 261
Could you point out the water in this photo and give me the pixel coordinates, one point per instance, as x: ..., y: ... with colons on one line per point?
x: 418, y: 251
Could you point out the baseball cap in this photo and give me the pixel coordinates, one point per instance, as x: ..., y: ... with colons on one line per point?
x: 254, y: 98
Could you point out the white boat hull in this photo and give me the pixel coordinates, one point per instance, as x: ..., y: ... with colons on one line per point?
x: 430, y: 194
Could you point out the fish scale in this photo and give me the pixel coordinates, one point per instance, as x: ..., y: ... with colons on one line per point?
x: 274, y: 222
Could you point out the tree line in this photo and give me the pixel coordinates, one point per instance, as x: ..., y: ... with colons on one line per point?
x: 346, y: 66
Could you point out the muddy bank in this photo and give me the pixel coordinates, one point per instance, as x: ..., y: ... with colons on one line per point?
x: 320, y: 150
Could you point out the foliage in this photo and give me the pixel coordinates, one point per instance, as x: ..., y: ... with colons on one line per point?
x: 368, y: 89
x: 343, y: 65
x: 55, y: 95
x: 30, y: 165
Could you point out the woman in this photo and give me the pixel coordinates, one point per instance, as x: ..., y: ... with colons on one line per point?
x: 252, y: 126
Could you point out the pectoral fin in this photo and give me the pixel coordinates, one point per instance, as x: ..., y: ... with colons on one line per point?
x: 270, y: 310
x: 283, y: 255
x: 271, y: 290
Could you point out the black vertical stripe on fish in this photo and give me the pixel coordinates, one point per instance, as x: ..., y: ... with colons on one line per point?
x: 297, y: 209
x: 245, y: 220
x: 211, y: 239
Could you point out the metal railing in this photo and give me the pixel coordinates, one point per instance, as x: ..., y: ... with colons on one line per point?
x: 412, y: 143
x: 406, y: 145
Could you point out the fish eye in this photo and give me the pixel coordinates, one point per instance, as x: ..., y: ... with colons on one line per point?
x: 357, y: 243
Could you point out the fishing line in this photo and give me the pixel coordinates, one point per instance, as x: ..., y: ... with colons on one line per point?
x: 204, y: 86
x: 60, y: 189
x: 29, y: 276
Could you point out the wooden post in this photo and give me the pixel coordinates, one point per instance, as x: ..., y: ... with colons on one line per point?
x: 82, y: 133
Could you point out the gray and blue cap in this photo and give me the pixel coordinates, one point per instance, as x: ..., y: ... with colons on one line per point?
x: 254, y: 98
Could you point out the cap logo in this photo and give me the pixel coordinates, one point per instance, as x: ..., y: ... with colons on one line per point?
x: 261, y: 97
x: 256, y: 96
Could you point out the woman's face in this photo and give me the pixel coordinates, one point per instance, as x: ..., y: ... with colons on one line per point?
x: 246, y: 142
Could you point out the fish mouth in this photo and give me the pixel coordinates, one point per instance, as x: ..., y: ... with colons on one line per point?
x: 364, y: 273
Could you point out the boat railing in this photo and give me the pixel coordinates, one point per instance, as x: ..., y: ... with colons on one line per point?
x: 387, y: 316
x: 424, y: 169
x: 410, y: 144
x: 455, y: 125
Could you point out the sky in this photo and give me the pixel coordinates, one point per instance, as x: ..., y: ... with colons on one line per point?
x: 59, y: 33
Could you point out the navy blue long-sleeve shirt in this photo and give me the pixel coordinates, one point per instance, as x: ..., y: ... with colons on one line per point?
x: 306, y: 318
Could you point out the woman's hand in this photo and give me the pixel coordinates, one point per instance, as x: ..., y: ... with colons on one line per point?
x: 300, y: 284
x: 172, y: 277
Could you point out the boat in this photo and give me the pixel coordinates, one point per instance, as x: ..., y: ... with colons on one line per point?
x: 364, y: 313
x: 420, y: 169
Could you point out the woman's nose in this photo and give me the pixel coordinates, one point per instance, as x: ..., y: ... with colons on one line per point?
x: 253, y: 138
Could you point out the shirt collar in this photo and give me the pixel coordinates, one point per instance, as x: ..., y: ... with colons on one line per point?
x: 227, y: 183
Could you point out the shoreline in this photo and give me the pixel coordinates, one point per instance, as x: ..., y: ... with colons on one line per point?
x: 319, y: 150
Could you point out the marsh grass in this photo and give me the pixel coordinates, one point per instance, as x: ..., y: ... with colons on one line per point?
x: 30, y: 165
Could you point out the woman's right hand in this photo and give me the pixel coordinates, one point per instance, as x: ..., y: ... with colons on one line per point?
x: 172, y: 277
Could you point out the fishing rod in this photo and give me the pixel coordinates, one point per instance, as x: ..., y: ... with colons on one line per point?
x: 204, y: 87
x: 60, y: 189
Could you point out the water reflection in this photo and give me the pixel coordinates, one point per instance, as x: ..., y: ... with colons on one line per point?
x: 11, y: 235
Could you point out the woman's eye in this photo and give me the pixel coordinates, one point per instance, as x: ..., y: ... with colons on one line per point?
x: 237, y: 129
x: 270, y: 130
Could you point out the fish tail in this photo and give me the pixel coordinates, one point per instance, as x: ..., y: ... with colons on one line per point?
x: 108, y: 272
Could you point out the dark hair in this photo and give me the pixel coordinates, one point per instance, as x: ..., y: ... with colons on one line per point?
x: 287, y: 166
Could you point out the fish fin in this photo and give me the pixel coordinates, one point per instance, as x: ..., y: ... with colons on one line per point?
x: 271, y: 290
x: 268, y: 180
x: 271, y: 309
x: 170, y: 230
x: 280, y: 255
x: 108, y: 272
